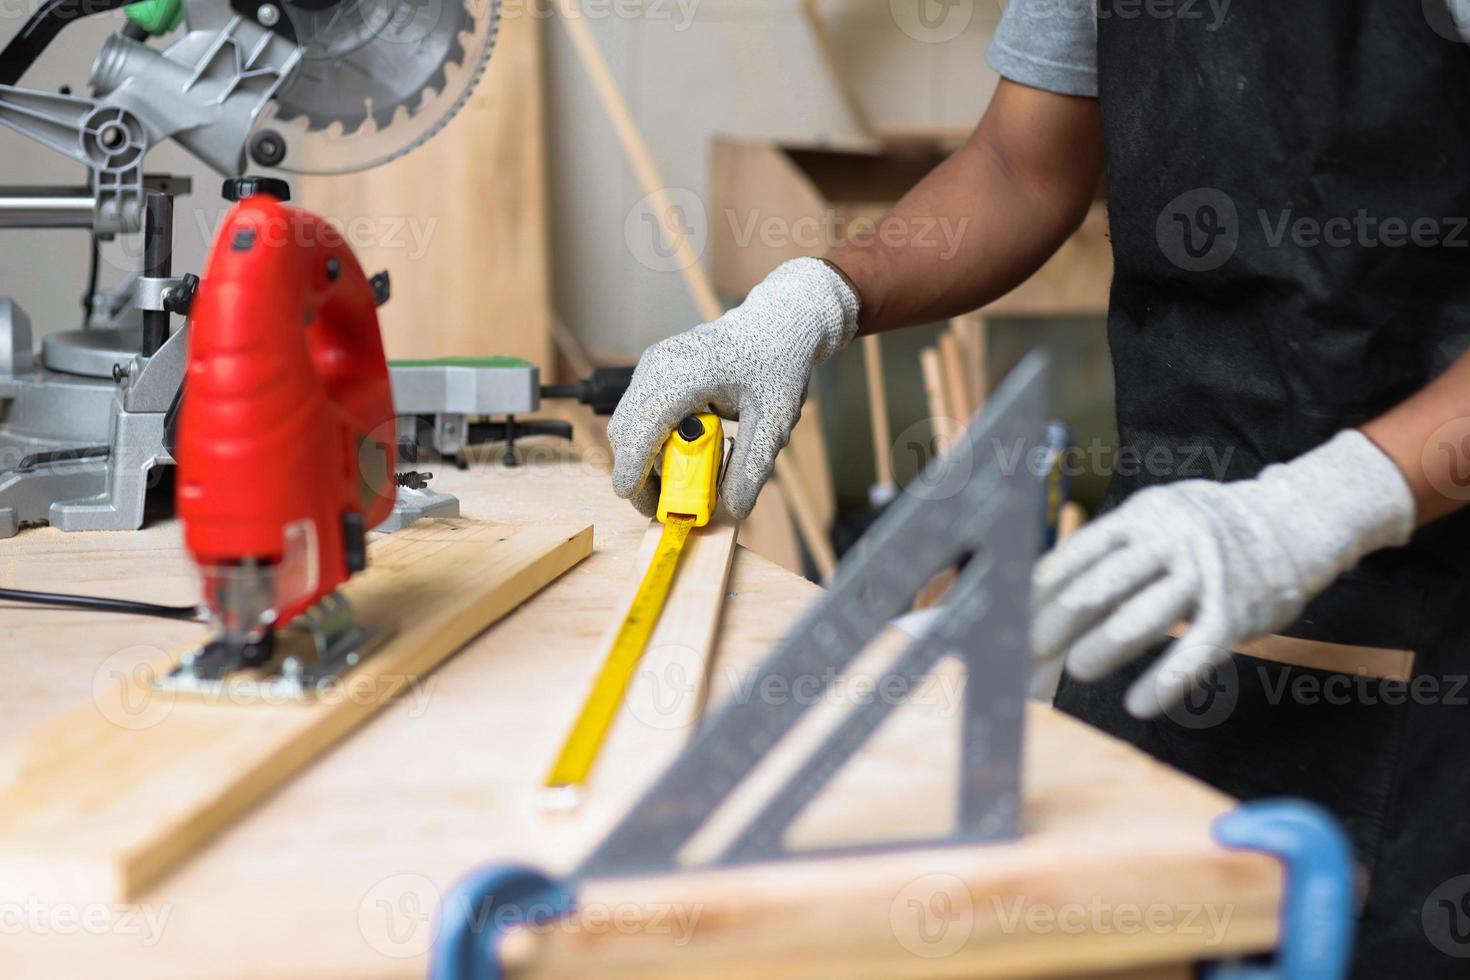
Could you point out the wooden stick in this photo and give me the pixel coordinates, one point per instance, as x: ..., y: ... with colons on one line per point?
x: 878, y: 410
x: 683, y: 643
x: 813, y: 535
x: 944, y: 428
x: 569, y: 347
x: 972, y: 331
x: 1070, y: 521
x: 835, y: 66
x: 956, y: 384
x: 696, y: 277
x: 941, y: 416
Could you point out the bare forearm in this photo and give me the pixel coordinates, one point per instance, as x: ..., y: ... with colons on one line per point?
x: 984, y: 220
x: 1428, y: 437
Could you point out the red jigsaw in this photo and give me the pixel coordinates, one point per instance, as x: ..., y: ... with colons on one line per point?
x: 286, y: 431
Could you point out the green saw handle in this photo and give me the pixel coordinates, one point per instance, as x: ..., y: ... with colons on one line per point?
x: 156, y: 16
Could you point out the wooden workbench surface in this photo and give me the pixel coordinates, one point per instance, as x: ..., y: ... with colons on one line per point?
x: 335, y: 876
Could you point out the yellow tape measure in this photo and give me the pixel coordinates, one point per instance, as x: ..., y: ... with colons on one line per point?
x: 687, y: 498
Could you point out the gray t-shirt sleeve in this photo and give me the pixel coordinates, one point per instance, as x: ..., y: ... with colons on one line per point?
x: 1048, y: 44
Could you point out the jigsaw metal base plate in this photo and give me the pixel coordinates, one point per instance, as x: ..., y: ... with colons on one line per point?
x: 306, y: 661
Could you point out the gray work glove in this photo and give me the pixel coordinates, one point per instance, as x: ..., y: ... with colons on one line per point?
x: 1237, y: 560
x: 752, y: 364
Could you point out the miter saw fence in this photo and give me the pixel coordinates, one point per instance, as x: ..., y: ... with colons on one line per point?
x: 309, y: 86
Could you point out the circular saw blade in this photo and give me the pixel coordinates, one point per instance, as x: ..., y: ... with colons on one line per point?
x: 376, y: 78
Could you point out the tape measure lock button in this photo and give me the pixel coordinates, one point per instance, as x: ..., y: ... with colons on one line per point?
x: 691, y: 429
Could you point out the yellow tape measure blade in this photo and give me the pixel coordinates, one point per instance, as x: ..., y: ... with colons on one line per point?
x: 583, y: 744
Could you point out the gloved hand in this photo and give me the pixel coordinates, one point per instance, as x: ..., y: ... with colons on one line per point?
x: 1237, y: 560
x: 752, y: 364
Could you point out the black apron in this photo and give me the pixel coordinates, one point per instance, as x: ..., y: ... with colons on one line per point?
x: 1288, y: 195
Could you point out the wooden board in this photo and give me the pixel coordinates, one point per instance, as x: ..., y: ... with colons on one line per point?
x: 460, y: 224
x: 672, y: 683
x: 114, y: 793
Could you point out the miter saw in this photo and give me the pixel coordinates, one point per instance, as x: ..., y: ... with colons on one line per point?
x: 306, y: 86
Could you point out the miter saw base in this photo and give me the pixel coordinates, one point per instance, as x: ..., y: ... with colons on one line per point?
x: 79, y: 452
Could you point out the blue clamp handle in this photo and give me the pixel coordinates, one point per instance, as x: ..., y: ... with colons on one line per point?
x: 1318, y: 907
x: 481, y: 908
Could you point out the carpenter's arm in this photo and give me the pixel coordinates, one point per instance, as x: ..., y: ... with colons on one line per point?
x: 985, y: 219
x: 1428, y: 438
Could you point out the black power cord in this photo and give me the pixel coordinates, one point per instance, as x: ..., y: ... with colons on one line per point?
x: 91, y: 294
x: 101, y: 604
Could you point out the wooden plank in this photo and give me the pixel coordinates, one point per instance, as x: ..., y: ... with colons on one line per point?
x: 460, y: 224
x: 671, y: 687
x: 115, y: 793
x: 1380, y: 663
